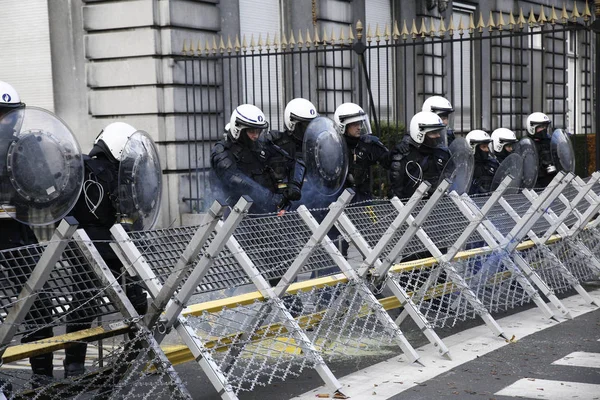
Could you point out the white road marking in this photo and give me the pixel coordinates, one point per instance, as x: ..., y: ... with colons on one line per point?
x: 551, y: 390
x: 580, y: 359
x: 393, y: 376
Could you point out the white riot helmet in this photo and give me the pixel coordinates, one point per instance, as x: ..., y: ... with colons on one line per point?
x: 439, y: 105
x: 477, y: 137
x: 349, y: 113
x: 246, y: 116
x: 9, y: 98
x: 423, y: 123
x: 501, y: 137
x: 534, y: 120
x: 298, y: 110
x: 112, y: 140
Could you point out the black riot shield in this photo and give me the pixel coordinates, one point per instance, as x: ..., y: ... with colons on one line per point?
x: 513, y: 166
x: 526, y: 149
x: 325, y: 156
x: 140, y: 182
x: 459, y: 169
x: 562, y: 152
x: 41, y: 168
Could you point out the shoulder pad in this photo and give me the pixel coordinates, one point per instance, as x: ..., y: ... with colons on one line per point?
x: 273, y: 136
x: 369, y: 139
x: 218, y: 148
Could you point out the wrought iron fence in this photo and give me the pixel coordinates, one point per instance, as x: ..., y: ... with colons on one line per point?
x: 494, y: 73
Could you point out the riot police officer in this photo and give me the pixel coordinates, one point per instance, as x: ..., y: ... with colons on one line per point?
x: 364, y: 149
x: 425, y: 158
x: 241, y: 164
x: 537, y: 127
x: 297, y: 115
x: 486, y: 164
x: 503, y: 142
x: 97, y: 210
x: 443, y: 108
x: 14, y: 233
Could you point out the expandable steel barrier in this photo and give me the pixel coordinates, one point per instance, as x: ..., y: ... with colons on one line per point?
x: 444, y: 258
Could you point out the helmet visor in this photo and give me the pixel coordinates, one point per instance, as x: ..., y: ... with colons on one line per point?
x: 435, y: 135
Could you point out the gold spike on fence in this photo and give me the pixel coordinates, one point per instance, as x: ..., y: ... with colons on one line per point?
x: 500, y: 21
x: 491, y: 25
x: 333, y: 39
x: 292, y: 41
x: 387, y: 34
x: 252, y: 42
x: 563, y: 15
x: 342, y: 36
x: 423, y: 30
x: 300, y: 39
x: 396, y: 31
x: 185, y: 48
x: 511, y: 21
x: 404, y: 32
x: 531, y: 20
x: 587, y: 14
x: 237, y: 43
x: 442, y: 30
x: 317, y: 38
x: 377, y: 33
x: 214, y: 45
x: 284, y: 41
x: 521, y: 21
x: 414, y: 32
x: 480, y: 24
x: 542, y: 18
x: 309, y: 41
x: 244, y: 44
x: 221, y: 45
x: 553, y: 16
x: 325, y: 38
x: 461, y: 27
x: 229, y: 46
x: 276, y: 43
x: 451, y: 26
x: 369, y: 33
x: 359, y: 30
x: 471, y: 24
x: 431, y: 28
x: 350, y: 35
x: 575, y: 14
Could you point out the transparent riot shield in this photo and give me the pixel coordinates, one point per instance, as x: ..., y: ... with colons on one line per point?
x: 140, y: 182
x: 526, y: 149
x: 459, y: 169
x: 562, y: 152
x: 326, y: 157
x: 513, y: 166
x: 41, y: 168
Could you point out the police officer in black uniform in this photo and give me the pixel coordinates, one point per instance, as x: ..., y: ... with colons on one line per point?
x: 242, y: 164
x: 297, y: 115
x: 486, y: 164
x: 425, y: 158
x: 16, y: 234
x: 364, y: 149
x: 97, y: 210
x: 537, y: 126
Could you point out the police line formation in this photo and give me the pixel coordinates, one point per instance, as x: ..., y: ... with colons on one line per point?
x: 470, y: 204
